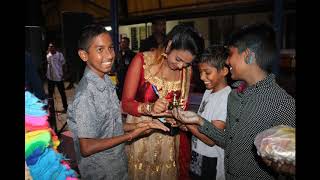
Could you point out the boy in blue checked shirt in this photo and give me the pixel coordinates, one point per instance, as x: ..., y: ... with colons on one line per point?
x: 94, y: 116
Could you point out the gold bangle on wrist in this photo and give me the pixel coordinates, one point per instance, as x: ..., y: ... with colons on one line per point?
x: 149, y: 107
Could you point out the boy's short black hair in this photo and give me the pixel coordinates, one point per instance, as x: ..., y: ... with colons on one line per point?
x: 88, y: 33
x: 215, y: 55
x: 259, y: 38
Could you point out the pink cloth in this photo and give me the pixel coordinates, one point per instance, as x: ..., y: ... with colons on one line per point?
x: 65, y: 164
x: 241, y: 87
x: 36, y: 121
x: 71, y: 178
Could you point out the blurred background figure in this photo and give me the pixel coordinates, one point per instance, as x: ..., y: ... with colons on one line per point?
x: 54, y: 74
x: 158, y: 34
x: 124, y: 58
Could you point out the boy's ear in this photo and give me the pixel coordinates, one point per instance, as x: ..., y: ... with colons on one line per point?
x: 225, y: 71
x: 249, y: 56
x: 83, y: 55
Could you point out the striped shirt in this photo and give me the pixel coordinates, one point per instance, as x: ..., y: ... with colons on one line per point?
x: 257, y: 108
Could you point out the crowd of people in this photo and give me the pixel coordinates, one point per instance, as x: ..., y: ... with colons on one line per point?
x: 159, y: 138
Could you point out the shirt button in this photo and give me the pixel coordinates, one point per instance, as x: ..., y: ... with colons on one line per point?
x: 230, y: 138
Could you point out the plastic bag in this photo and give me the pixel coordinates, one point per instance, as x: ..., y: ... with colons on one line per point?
x: 277, y: 144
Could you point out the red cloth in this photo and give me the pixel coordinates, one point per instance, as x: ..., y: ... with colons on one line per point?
x: 30, y: 127
x: 184, y: 155
x: 132, y: 84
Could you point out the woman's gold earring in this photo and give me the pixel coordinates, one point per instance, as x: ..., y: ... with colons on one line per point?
x: 165, y: 55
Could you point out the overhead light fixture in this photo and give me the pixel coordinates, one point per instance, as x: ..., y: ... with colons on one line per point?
x: 108, y: 28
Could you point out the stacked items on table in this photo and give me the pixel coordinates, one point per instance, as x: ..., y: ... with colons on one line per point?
x: 43, y: 161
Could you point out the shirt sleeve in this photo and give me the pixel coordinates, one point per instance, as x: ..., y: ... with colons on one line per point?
x: 131, y: 85
x: 221, y: 109
x: 213, y: 133
x: 86, y: 117
x: 63, y: 61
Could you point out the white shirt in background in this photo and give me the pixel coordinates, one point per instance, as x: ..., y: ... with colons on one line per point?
x: 54, y: 68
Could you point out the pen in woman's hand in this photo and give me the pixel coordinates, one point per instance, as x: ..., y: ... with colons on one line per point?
x: 155, y: 90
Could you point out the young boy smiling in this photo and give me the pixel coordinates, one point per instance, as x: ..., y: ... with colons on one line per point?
x: 94, y: 116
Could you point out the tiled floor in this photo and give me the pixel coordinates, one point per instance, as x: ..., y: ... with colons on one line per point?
x: 66, y: 142
x: 60, y: 117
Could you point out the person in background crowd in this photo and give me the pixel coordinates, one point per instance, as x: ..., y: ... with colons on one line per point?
x: 55, y: 60
x: 122, y: 63
x: 156, y: 40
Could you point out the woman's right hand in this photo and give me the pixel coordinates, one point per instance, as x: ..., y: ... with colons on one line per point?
x: 160, y: 106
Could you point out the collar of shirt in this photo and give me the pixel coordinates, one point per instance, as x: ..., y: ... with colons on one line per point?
x: 101, y: 84
x: 243, y: 88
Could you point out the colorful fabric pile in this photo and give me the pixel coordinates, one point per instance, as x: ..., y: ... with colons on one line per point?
x: 43, y: 161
